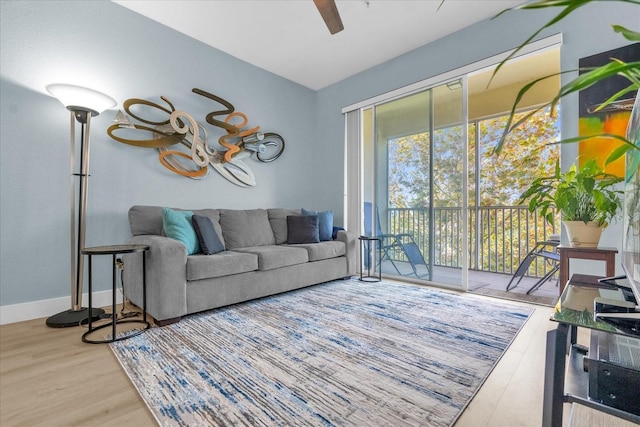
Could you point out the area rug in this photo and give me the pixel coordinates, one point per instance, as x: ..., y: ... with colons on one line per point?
x: 345, y: 353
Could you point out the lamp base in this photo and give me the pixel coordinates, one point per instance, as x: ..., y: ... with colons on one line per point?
x: 74, y: 317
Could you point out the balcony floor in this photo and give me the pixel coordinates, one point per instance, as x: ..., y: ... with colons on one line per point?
x: 482, y: 282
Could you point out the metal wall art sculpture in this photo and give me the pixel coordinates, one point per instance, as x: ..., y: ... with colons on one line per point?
x: 170, y: 129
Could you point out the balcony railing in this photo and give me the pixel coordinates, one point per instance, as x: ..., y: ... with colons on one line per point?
x: 499, y: 236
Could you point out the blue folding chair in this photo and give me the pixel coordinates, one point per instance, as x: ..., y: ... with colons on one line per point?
x: 403, y: 243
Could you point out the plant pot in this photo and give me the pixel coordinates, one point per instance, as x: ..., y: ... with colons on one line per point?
x: 583, y: 235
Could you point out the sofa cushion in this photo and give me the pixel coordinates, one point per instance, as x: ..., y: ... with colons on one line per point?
x: 270, y: 257
x: 323, y: 250
x: 325, y: 223
x: 207, y: 237
x: 278, y: 220
x: 178, y: 225
x: 146, y: 220
x: 245, y: 228
x: 221, y: 264
x: 302, y: 229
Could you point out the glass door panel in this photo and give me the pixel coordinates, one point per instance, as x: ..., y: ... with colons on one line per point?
x: 449, y: 198
x: 419, y: 148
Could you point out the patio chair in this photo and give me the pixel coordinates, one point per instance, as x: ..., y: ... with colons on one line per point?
x: 403, y: 242
x: 545, y: 250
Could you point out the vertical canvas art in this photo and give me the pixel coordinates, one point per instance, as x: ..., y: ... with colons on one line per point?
x: 613, y: 118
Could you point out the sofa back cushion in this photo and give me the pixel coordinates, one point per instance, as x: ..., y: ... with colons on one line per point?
x: 145, y: 220
x: 278, y: 220
x: 245, y: 228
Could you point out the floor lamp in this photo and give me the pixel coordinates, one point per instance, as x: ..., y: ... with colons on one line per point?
x: 83, y: 103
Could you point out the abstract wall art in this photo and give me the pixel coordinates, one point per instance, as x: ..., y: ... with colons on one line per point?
x: 183, y: 143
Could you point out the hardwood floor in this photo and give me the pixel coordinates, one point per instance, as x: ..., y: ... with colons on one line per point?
x: 50, y: 377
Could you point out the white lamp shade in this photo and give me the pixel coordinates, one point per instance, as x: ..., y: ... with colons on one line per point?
x: 81, y: 98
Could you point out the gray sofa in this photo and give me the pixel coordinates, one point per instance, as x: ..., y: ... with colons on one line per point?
x: 257, y: 261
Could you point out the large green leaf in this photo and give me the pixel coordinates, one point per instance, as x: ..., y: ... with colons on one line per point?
x: 587, y: 78
x: 634, y: 36
x: 629, y: 70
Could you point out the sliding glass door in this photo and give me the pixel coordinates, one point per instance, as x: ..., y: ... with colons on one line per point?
x: 414, y: 179
x: 449, y: 171
x: 422, y: 171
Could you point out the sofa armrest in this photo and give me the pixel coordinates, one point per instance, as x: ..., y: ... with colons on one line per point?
x: 349, y: 240
x: 166, y: 269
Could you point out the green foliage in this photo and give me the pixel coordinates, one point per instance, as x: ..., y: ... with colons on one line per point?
x: 580, y: 194
x: 531, y: 154
x: 501, y: 180
x: 588, y: 78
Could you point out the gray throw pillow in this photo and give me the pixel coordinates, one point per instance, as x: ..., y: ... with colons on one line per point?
x: 207, y: 237
x: 302, y: 229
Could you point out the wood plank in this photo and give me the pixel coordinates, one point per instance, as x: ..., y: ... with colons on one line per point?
x: 48, y: 376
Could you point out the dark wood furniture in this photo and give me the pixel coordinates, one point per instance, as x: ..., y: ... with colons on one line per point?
x: 608, y: 255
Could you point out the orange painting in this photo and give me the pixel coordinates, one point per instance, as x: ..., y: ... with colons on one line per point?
x: 613, y: 119
x: 600, y: 148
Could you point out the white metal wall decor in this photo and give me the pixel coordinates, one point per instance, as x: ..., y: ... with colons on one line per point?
x: 173, y: 129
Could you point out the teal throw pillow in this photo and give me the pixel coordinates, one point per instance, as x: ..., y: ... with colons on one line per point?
x: 325, y: 223
x: 178, y: 225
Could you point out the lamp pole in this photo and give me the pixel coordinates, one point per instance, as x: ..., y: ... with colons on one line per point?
x: 72, y: 98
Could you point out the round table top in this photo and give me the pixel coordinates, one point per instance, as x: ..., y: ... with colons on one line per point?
x: 114, y: 249
x: 363, y: 237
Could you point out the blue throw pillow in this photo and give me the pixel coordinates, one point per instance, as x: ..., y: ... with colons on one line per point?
x: 177, y: 225
x: 302, y: 229
x: 207, y: 237
x: 325, y: 223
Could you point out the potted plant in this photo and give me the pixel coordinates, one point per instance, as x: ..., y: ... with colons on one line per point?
x: 585, y: 197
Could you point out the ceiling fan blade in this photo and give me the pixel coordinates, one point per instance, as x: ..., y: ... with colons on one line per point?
x: 329, y: 13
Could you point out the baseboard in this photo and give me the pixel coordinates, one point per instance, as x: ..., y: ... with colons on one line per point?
x: 45, y: 308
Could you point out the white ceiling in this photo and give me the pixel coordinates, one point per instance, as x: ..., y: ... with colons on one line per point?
x: 289, y: 38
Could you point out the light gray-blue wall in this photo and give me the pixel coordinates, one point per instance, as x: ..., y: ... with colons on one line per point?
x: 107, y: 47
x: 102, y: 45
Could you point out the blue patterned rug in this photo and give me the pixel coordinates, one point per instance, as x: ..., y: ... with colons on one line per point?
x: 337, y: 354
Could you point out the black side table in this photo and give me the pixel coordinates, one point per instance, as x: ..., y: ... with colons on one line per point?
x: 113, y: 251
x: 368, y: 242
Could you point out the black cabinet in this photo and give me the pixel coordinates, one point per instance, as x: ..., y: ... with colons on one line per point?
x: 611, y: 383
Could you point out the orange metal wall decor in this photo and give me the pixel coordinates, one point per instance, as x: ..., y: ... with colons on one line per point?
x: 168, y: 130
